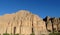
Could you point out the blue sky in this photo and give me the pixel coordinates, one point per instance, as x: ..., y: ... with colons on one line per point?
x: 42, y: 8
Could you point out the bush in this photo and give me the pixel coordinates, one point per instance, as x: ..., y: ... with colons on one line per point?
x: 16, y: 34
x: 5, y: 34
x: 32, y: 34
x: 42, y: 34
x: 10, y: 34
x: 54, y: 34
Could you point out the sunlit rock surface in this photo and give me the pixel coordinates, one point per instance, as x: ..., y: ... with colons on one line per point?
x: 22, y: 22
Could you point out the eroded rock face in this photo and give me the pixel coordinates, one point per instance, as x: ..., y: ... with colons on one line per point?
x: 22, y: 22
x: 52, y: 24
x: 48, y: 23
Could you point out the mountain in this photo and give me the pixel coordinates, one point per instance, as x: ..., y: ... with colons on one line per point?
x: 22, y: 22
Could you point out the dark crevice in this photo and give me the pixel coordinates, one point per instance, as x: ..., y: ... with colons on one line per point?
x: 32, y: 25
x: 14, y: 30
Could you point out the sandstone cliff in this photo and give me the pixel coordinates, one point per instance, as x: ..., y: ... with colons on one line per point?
x: 22, y: 22
x: 52, y: 24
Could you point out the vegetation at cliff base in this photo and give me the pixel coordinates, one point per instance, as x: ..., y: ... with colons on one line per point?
x: 5, y: 34
x: 9, y: 34
x: 54, y: 34
x: 32, y: 34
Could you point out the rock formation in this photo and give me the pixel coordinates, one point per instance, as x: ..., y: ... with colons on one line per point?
x: 52, y: 24
x: 24, y: 22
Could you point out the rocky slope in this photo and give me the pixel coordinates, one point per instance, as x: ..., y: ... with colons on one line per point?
x: 52, y: 24
x: 23, y: 22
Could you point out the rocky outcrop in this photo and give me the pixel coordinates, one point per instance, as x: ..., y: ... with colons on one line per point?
x: 23, y: 22
x: 52, y: 24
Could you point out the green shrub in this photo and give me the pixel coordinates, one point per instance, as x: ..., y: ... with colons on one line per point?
x: 54, y: 34
x: 32, y: 34
x: 42, y: 34
x: 16, y: 34
x: 5, y: 34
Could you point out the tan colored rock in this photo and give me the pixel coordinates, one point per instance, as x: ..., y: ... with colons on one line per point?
x: 58, y: 24
x: 52, y: 24
x: 22, y: 22
x: 48, y: 23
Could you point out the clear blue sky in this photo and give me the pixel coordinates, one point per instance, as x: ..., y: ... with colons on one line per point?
x: 40, y: 7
